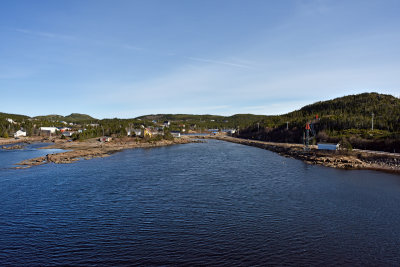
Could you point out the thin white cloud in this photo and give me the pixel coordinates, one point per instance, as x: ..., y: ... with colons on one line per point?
x: 131, y: 47
x: 47, y: 34
x: 51, y: 35
x: 219, y: 62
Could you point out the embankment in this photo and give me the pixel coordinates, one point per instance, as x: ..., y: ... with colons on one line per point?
x: 357, y: 159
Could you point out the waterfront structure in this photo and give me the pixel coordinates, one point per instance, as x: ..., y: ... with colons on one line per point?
x: 176, y: 134
x: 326, y: 146
x: 19, y: 133
x: 105, y: 139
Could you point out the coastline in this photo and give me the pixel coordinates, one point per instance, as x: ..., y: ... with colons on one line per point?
x: 92, y: 148
x: 350, y: 160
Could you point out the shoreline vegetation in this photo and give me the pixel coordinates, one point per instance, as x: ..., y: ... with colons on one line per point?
x: 92, y: 148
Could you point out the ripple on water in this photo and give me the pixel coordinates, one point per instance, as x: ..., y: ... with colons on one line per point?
x: 212, y: 203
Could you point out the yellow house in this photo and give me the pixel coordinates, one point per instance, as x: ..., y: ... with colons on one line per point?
x: 147, y: 132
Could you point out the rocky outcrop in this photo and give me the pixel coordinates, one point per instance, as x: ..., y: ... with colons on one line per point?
x: 12, y: 147
x: 93, y: 149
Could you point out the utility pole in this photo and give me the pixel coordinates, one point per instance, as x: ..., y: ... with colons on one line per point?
x: 372, y: 126
x: 287, y: 125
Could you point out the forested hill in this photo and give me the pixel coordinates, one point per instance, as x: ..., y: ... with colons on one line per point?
x: 347, y: 119
x: 355, y: 111
x: 208, y: 121
x: 74, y: 117
x: 348, y: 112
x: 13, y: 116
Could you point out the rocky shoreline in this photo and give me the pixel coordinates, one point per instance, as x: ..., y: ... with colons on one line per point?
x: 351, y: 160
x: 93, y: 149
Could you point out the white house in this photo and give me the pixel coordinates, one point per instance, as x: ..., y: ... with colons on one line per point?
x: 48, y: 130
x: 176, y: 134
x: 325, y: 146
x: 10, y: 121
x: 167, y: 123
x: 68, y: 133
x: 137, y: 132
x: 19, y: 133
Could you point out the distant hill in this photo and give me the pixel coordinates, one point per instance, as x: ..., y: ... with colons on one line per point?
x: 208, y: 121
x: 352, y: 111
x: 74, y: 117
x: 13, y: 116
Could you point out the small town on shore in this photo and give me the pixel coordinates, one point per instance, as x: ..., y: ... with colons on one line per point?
x: 331, y: 137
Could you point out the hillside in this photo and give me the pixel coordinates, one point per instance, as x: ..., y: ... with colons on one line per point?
x: 13, y: 116
x: 345, y: 119
x: 207, y: 121
x: 73, y: 117
x: 355, y: 111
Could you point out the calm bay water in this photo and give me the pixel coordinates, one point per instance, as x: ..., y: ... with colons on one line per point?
x: 212, y: 203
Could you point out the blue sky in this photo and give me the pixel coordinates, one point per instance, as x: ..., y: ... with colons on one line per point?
x: 130, y: 58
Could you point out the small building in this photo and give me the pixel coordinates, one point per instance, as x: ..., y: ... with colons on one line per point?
x: 327, y: 146
x: 105, y: 139
x: 167, y: 123
x: 176, y: 134
x: 147, y: 132
x: 64, y: 129
x: 231, y: 131
x: 213, y: 131
x: 19, y: 133
x: 68, y: 133
x: 135, y: 132
x: 10, y: 121
x: 48, y: 130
